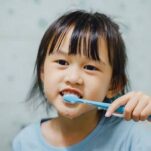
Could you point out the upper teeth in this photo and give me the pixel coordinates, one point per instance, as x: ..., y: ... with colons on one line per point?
x: 67, y: 92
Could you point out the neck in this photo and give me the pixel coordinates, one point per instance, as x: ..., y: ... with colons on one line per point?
x: 82, y: 124
x: 62, y: 131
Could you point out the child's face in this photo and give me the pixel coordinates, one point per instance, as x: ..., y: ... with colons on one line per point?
x: 63, y: 73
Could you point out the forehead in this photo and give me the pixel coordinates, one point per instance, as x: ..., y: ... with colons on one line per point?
x: 101, y: 47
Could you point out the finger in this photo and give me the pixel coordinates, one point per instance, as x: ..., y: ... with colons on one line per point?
x: 146, y: 113
x: 142, y: 103
x: 117, y: 103
x: 129, y: 107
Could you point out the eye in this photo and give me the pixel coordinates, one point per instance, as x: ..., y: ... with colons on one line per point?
x: 62, y: 62
x: 90, y: 67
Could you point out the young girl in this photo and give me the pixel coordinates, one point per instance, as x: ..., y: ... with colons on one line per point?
x: 83, y: 54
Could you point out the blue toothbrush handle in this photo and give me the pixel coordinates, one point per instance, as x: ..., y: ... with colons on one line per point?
x: 104, y: 106
x: 120, y: 110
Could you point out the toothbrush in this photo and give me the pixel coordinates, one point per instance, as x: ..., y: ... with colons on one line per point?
x: 70, y: 98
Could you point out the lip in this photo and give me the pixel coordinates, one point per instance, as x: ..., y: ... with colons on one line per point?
x: 72, y: 90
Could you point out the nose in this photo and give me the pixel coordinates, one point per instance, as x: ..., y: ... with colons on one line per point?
x: 73, y: 76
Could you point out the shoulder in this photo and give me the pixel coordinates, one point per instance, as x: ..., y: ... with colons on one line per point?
x: 28, y: 133
x: 141, y: 136
x: 130, y: 134
x: 28, y: 130
x: 141, y: 130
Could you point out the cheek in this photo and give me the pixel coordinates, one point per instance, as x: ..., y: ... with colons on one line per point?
x: 97, y: 89
x: 51, y: 84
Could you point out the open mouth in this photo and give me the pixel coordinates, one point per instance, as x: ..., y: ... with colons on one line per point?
x: 73, y: 92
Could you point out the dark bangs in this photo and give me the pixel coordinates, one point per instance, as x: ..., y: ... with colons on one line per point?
x: 84, y: 38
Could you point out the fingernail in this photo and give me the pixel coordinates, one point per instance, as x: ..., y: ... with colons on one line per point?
x: 107, y: 114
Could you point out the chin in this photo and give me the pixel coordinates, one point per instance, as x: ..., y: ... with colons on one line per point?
x: 70, y: 114
x: 72, y: 111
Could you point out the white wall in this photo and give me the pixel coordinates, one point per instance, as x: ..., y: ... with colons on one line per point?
x: 22, y: 24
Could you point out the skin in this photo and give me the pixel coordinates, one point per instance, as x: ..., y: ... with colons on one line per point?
x: 92, y: 80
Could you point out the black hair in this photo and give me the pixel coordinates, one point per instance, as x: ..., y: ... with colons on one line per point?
x: 88, y: 29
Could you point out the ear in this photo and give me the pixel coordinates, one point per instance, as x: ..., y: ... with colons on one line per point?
x: 42, y: 73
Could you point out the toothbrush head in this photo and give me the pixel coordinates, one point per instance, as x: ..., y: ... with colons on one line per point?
x: 71, y: 98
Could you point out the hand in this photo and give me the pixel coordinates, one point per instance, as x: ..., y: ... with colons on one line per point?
x: 137, y: 106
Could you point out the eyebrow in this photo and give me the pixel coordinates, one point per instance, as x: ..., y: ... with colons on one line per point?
x: 61, y: 52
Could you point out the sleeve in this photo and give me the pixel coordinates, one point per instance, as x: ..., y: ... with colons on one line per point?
x: 16, y: 145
